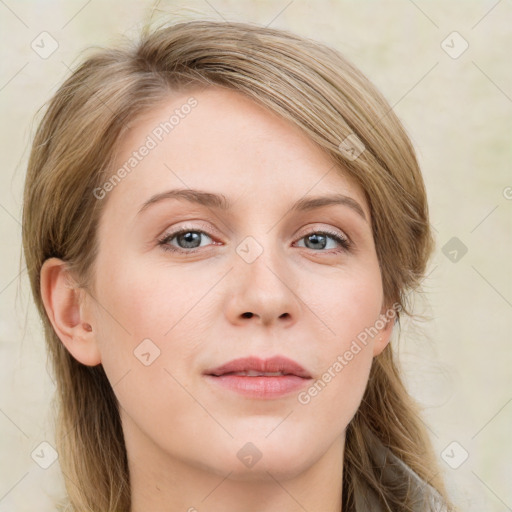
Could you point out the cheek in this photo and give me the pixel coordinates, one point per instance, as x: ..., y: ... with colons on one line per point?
x: 335, y: 394
x: 325, y: 409
x: 145, y: 352
x: 345, y: 303
x: 349, y: 307
x: 147, y: 313
x: 145, y: 299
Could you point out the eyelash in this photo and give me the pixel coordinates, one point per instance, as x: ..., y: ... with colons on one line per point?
x: 163, y: 241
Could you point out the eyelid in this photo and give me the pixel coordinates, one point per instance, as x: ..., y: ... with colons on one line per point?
x: 199, y: 227
x: 343, y: 240
x: 196, y: 226
x: 318, y: 228
x: 345, y: 243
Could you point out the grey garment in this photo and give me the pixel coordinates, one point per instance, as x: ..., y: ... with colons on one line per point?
x: 398, y: 475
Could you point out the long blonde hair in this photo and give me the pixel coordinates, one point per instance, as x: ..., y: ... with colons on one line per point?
x: 303, y: 81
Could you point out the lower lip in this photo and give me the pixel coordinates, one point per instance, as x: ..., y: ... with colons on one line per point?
x: 260, y: 387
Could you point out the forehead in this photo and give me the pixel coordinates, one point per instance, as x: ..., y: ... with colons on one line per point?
x: 222, y: 141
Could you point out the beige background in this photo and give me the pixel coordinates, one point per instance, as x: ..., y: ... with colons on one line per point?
x: 458, y: 112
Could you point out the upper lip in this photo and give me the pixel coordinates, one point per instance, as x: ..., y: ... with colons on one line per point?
x: 271, y: 365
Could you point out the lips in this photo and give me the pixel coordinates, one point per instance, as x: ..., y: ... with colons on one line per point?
x: 259, y: 379
x: 254, y: 367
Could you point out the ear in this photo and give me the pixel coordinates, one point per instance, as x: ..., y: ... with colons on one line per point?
x: 67, y: 312
x: 384, y: 336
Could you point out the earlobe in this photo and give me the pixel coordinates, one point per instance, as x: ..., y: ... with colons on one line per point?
x: 384, y: 337
x: 62, y: 303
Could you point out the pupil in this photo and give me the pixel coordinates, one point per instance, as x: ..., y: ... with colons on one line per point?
x: 189, y: 239
x: 317, y: 239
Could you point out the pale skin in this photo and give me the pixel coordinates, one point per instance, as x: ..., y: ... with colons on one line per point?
x: 308, y: 303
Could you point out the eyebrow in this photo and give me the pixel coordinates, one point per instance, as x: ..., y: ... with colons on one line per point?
x: 221, y: 202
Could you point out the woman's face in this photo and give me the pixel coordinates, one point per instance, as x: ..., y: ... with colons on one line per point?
x: 250, y: 276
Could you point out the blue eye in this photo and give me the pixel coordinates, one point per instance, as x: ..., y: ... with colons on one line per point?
x: 189, y: 241
x: 319, y: 238
x: 190, y: 238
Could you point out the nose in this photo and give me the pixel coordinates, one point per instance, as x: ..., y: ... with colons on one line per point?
x: 263, y: 290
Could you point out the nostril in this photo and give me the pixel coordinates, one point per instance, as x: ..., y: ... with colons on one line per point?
x: 247, y: 315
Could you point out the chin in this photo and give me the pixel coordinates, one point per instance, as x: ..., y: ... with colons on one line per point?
x: 267, y: 469
x: 250, y: 458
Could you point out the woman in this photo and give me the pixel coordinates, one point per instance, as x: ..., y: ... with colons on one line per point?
x: 222, y: 224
